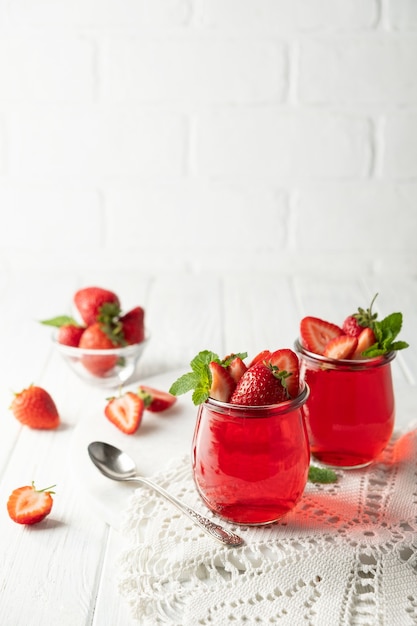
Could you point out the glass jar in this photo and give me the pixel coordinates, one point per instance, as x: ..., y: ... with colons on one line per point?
x: 350, y: 412
x: 250, y: 463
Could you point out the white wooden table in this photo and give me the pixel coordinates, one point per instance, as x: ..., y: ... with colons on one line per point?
x: 63, y: 570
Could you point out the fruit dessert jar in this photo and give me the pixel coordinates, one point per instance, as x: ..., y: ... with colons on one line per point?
x: 250, y: 463
x: 350, y: 411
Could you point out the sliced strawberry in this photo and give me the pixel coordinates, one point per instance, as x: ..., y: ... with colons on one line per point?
x: 70, y: 335
x: 287, y: 361
x: 341, y: 347
x: 236, y: 368
x: 156, y: 400
x: 316, y: 333
x: 365, y: 340
x: 259, y: 386
x: 261, y: 356
x: 34, y: 407
x: 133, y: 325
x: 27, y: 505
x: 125, y: 412
x: 222, y: 383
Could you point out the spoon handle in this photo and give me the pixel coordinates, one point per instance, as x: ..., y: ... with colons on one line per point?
x: 218, y: 532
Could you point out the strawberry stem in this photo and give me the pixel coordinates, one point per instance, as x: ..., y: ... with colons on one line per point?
x: 45, y: 490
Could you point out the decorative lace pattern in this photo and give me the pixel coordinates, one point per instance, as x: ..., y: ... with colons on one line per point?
x: 345, y: 556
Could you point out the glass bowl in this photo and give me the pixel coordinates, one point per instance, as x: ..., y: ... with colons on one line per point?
x: 102, y: 368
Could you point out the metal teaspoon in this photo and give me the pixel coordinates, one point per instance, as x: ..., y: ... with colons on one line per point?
x: 118, y: 465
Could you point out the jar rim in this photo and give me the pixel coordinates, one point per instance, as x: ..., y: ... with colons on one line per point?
x: 291, y: 404
x: 353, y: 364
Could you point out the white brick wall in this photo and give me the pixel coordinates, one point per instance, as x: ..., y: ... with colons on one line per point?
x: 164, y: 134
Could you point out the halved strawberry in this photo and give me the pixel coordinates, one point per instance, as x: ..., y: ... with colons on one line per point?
x: 125, y: 411
x: 341, y: 347
x: 236, y: 368
x: 365, y: 340
x: 287, y: 361
x: 259, y: 386
x: 222, y: 383
x: 156, y: 400
x: 316, y: 333
x: 27, y: 505
x: 261, y: 356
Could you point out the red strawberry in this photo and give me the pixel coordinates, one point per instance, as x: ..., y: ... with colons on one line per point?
x: 27, y: 505
x: 35, y: 408
x: 341, y: 347
x: 156, y: 400
x: 125, y: 412
x: 259, y: 386
x: 70, y: 335
x: 287, y: 361
x: 133, y: 325
x: 222, y: 384
x: 316, y: 333
x: 94, y: 338
x: 365, y: 340
x: 352, y: 327
x: 261, y: 356
x: 89, y: 302
x: 236, y: 368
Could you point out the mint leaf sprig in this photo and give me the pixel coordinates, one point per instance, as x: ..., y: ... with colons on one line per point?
x: 321, y: 475
x: 199, y: 379
x: 385, y: 333
x: 60, y: 320
x: 385, y: 330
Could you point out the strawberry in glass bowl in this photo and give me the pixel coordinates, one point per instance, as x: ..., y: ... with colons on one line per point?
x: 103, y: 345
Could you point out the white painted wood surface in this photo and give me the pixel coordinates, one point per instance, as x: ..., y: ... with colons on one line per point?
x: 63, y: 570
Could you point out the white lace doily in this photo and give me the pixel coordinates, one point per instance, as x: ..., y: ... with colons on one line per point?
x: 345, y: 556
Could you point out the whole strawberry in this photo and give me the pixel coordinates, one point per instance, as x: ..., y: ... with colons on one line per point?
x: 364, y: 318
x: 261, y: 384
x: 34, y: 407
x: 69, y: 331
x: 89, y: 302
x: 352, y: 327
x: 70, y: 335
x: 133, y: 328
x: 94, y: 338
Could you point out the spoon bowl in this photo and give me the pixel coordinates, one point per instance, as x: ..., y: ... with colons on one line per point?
x: 117, y: 465
x: 111, y: 461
